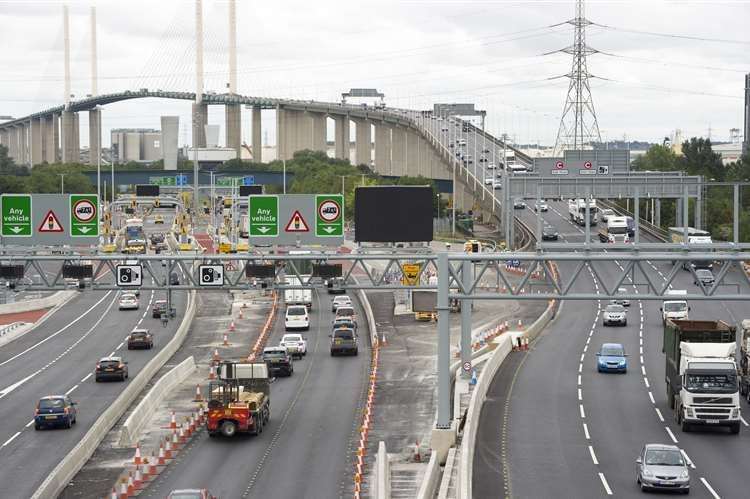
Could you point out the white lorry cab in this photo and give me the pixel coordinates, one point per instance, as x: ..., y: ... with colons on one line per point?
x: 675, y: 306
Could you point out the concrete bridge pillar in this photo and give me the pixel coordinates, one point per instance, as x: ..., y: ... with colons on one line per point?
x: 282, y: 133
x: 257, y: 139
x: 412, y: 153
x: 95, y: 116
x: 341, y: 139
x: 36, y: 141
x: 52, y: 138
x: 319, y: 132
x: 69, y: 135
x: 363, y: 151
x: 398, y: 155
x: 424, y: 151
x: 383, y: 148
x: 4, y: 137
x: 13, y: 147
x: 200, y: 120
x: 24, y: 156
x: 233, y: 127
x: 304, y: 124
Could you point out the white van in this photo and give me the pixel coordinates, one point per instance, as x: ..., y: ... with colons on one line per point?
x: 516, y: 168
x: 675, y: 306
x: 296, y: 318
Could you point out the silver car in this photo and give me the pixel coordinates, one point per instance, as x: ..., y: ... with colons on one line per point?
x: 662, y: 467
x: 704, y: 276
x: 614, y: 314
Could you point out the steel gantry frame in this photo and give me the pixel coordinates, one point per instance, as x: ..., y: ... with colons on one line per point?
x: 460, y: 276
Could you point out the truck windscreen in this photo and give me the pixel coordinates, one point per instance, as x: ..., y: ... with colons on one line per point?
x: 617, y: 230
x: 675, y: 306
x: 716, y: 383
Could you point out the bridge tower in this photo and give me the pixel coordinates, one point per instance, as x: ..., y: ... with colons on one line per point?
x: 233, y: 112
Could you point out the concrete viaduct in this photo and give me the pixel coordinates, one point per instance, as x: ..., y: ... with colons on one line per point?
x: 401, y: 146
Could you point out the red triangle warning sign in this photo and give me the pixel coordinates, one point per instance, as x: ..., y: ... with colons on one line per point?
x: 297, y: 223
x: 50, y: 223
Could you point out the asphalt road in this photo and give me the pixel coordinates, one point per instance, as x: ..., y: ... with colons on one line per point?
x: 59, y: 357
x: 306, y: 449
x: 581, y: 430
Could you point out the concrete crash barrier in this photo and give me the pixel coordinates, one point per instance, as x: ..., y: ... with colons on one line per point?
x: 67, y: 468
x: 382, y: 473
x: 55, y: 300
x: 430, y: 479
x: 142, y: 413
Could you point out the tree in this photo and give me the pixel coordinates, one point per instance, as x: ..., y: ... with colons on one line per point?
x: 657, y: 158
x: 698, y: 158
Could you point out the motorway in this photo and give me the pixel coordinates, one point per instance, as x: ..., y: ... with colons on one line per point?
x: 307, y: 448
x: 58, y: 357
x: 582, y: 430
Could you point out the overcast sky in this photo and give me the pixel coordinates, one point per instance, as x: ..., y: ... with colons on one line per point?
x: 416, y: 52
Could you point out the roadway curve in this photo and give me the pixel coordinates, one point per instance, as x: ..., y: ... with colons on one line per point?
x: 314, y: 415
x: 581, y: 430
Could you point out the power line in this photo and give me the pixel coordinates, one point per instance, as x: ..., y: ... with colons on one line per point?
x: 676, y: 64
x: 673, y: 35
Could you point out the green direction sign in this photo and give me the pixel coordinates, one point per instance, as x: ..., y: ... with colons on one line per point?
x: 263, y: 216
x: 16, y: 212
x: 162, y: 181
x: 329, y: 215
x: 228, y: 181
x: 84, y: 221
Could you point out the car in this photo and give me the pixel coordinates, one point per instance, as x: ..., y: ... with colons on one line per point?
x: 704, y: 276
x: 491, y: 166
x: 482, y: 159
x: 606, y: 213
x: 296, y: 317
x: 128, y: 301
x: 611, y: 358
x: 334, y: 285
x: 541, y: 205
x: 549, y: 233
x: 174, y: 279
x: 278, y: 360
x: 489, y: 181
x: 111, y: 368
x: 615, y: 314
x: 664, y: 467
x: 342, y: 300
x: 345, y: 311
x: 55, y: 410
x: 190, y: 494
x: 344, y: 341
x: 159, y: 307
x: 631, y: 226
x: 345, y: 322
x: 519, y: 204
x: 295, y: 344
x: 140, y: 338
x: 444, y: 129
x: 158, y: 219
x: 485, y: 151
x: 497, y: 184
x: 621, y: 301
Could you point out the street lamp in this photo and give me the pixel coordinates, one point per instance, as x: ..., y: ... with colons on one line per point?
x: 62, y: 182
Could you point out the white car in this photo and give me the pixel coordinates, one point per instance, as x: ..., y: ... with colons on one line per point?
x: 341, y: 301
x: 621, y: 301
x: 615, y: 314
x: 128, y: 301
x: 489, y: 181
x: 497, y: 184
x: 295, y: 344
x: 541, y: 206
x: 491, y: 166
x: 296, y: 318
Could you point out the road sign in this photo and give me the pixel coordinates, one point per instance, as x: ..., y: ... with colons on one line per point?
x: 296, y: 223
x: 16, y: 215
x: 50, y: 223
x: 329, y: 215
x: 248, y: 180
x: 83, y: 215
x: 228, y: 181
x: 165, y: 180
x: 410, y: 273
x: 263, y: 216
x: 181, y: 179
x: 559, y: 165
x: 211, y: 275
x: 559, y: 168
x: 467, y: 366
x: 587, y: 165
x: 129, y: 275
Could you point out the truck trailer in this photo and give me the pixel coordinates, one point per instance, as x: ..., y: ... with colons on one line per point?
x: 701, y: 373
x: 577, y: 211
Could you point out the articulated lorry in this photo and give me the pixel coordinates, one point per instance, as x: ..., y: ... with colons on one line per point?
x: 240, y: 400
x: 701, y: 373
x: 577, y: 211
x: 616, y: 231
x: 298, y: 296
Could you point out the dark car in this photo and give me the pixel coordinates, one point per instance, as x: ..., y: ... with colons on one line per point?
x: 345, y: 323
x: 174, y: 279
x: 549, y: 233
x: 278, y: 360
x: 344, y: 341
x: 704, y: 276
x: 159, y: 307
x: 111, y: 368
x: 55, y: 410
x: 140, y: 338
x: 631, y: 226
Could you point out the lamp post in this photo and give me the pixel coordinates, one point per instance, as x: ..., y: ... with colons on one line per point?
x: 62, y: 182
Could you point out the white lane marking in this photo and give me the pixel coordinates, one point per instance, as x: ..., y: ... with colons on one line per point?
x: 29, y: 423
x: 605, y: 484
x: 580, y: 395
x: 671, y: 435
x: 588, y: 340
x: 743, y: 421
x: 643, y: 370
x: 658, y: 413
x: 119, y: 346
x: 582, y: 355
x: 640, y: 349
x: 710, y: 489
x: 585, y: 348
x: 5, y: 391
x: 642, y: 360
x: 579, y: 380
x: 687, y: 459
x: 86, y: 377
x: 71, y: 390
x: 583, y: 413
x: 580, y: 367
x: 645, y: 380
x: 640, y: 341
x: 593, y: 456
x: 32, y: 347
x: 112, y: 353
x: 585, y: 431
x: 15, y: 435
x: 651, y: 396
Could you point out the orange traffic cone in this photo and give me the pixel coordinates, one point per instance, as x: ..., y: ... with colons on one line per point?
x: 124, y: 489
x: 198, y: 394
x: 138, y: 479
x: 417, y: 455
x: 173, y: 422
x: 168, y: 449
x: 137, y: 457
x: 131, y: 487
x: 162, y: 458
x: 216, y: 354
x: 113, y: 495
x: 226, y: 339
x: 211, y: 372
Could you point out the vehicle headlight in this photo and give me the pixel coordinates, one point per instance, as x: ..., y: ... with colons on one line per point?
x: 690, y: 412
x: 622, y: 362
x: 648, y: 474
x: 735, y: 413
x: 684, y: 474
